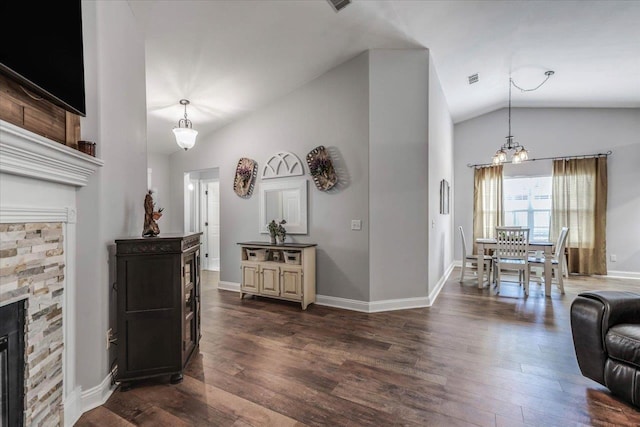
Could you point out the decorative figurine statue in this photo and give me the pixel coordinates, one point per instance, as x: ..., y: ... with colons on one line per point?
x: 151, y: 228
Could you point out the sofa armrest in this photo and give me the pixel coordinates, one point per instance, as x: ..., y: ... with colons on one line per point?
x: 592, y: 314
x: 619, y: 307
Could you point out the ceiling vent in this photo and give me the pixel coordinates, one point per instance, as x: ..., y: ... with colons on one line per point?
x: 473, y: 78
x: 338, y: 5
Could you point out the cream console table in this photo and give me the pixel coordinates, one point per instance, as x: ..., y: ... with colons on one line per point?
x: 285, y: 271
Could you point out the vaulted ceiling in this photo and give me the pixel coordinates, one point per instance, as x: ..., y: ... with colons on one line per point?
x: 230, y: 58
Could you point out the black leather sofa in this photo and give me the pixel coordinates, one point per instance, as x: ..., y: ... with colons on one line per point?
x: 606, y: 336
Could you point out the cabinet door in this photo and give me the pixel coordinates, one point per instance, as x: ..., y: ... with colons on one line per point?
x: 270, y: 280
x: 189, y: 306
x: 291, y: 282
x: 249, y: 277
x: 149, y: 315
x: 197, y: 295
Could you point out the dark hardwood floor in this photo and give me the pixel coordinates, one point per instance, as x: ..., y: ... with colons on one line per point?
x: 471, y: 359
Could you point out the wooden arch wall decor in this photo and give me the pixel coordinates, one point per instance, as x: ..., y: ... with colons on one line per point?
x: 282, y: 165
x: 246, y: 173
x: 321, y: 168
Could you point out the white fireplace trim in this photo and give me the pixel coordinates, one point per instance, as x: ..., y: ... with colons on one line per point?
x: 33, y: 159
x: 20, y: 214
x: 25, y: 153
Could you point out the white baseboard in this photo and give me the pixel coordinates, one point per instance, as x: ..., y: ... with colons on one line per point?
x: 229, y: 286
x: 72, y: 407
x: 457, y: 263
x: 385, y: 305
x: 436, y: 290
x: 96, y: 396
x: 78, y: 402
x: 398, y: 304
x: 344, y: 303
x: 369, y: 306
x: 372, y: 306
x: 623, y: 274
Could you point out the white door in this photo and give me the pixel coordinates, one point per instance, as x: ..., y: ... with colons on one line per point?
x: 211, y: 225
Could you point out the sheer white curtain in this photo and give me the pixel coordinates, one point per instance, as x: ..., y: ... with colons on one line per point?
x: 579, y: 201
x: 488, y: 210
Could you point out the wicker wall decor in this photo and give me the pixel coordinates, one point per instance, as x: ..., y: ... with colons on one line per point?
x: 321, y: 168
x: 245, y: 179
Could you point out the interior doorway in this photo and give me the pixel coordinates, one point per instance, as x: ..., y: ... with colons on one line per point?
x: 202, y: 213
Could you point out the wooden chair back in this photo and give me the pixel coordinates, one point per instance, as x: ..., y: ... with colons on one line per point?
x: 512, y: 243
x: 562, y: 241
x: 464, y: 244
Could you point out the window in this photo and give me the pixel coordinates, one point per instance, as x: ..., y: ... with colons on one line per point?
x: 527, y: 203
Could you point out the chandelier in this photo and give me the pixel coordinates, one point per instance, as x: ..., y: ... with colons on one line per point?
x: 185, y: 135
x: 520, y: 154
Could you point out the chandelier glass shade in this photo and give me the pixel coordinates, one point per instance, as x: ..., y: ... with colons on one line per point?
x: 184, y: 133
x: 520, y: 153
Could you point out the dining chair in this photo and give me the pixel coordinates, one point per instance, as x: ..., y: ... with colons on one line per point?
x: 558, y: 263
x: 512, y: 253
x: 473, y: 259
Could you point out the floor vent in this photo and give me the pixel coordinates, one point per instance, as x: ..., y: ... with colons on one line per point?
x: 473, y: 78
x: 338, y: 5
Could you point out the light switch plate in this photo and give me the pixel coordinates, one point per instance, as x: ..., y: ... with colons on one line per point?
x: 356, y: 224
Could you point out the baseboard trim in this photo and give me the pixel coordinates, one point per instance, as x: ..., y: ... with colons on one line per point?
x: 369, y: 306
x: 229, y: 286
x: 344, y: 303
x: 623, y: 274
x: 96, y: 396
x: 72, y: 407
x: 398, y: 304
x: 436, y: 290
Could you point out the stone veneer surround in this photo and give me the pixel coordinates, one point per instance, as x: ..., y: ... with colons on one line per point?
x: 32, y: 268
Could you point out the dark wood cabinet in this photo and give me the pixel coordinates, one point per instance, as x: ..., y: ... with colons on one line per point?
x: 158, y: 283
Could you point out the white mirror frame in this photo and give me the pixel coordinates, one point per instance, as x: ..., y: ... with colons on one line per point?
x: 284, y: 184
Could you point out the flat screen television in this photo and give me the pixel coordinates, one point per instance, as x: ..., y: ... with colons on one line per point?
x: 41, y: 47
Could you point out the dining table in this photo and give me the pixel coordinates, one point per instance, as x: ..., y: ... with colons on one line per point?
x: 545, y: 247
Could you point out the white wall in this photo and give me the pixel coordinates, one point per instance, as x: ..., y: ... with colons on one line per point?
x: 440, y: 167
x: 111, y: 205
x: 331, y: 110
x: 550, y: 132
x: 160, y: 184
x: 398, y: 173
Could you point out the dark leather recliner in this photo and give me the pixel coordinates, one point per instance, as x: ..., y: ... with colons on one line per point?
x: 606, y: 336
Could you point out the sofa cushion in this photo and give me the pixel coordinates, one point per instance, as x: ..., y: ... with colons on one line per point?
x: 623, y: 343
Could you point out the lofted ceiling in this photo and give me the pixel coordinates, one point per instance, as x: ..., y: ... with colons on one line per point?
x: 230, y: 58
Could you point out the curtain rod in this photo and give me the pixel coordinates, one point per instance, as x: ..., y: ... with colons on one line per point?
x: 585, y: 156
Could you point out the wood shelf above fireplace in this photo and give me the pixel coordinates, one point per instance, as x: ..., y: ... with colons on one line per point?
x: 22, y: 108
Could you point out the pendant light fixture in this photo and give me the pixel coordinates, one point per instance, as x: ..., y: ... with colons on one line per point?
x: 185, y: 134
x: 520, y: 154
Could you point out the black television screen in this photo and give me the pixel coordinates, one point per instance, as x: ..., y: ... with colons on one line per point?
x: 41, y: 46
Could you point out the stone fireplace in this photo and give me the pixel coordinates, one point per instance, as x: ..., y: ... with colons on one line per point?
x: 38, y: 182
x: 32, y: 268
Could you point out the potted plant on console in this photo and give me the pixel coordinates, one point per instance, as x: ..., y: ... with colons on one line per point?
x: 277, y: 230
